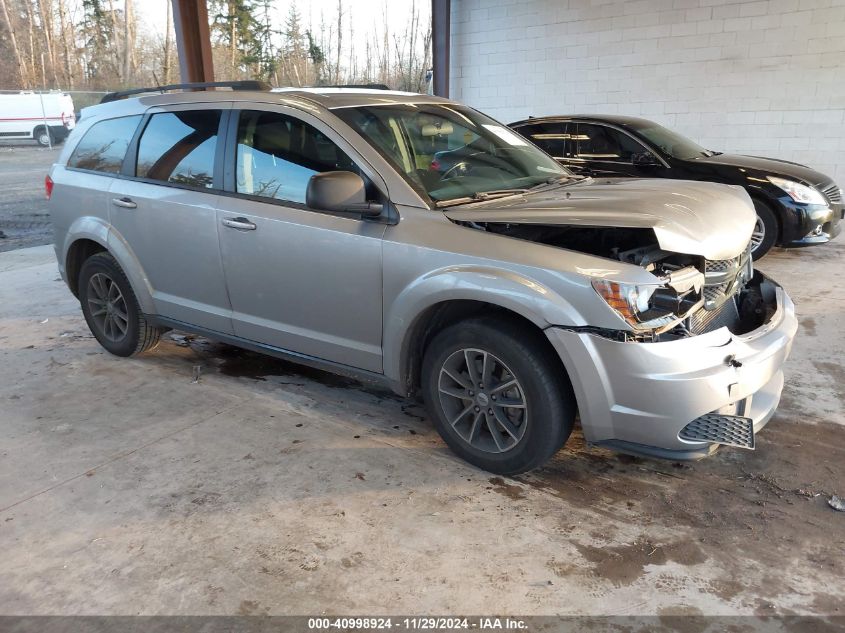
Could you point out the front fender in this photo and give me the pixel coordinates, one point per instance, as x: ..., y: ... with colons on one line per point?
x: 509, y: 290
x: 99, y: 231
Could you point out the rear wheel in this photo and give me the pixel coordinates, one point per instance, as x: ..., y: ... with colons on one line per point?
x: 497, y: 394
x: 765, y: 232
x: 111, y: 309
x: 44, y: 137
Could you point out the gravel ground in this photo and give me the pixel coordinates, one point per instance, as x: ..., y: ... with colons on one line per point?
x: 24, y: 220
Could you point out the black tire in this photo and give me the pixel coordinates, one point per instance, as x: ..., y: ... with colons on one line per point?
x: 549, y: 404
x: 44, y: 136
x: 768, y: 222
x: 129, y: 333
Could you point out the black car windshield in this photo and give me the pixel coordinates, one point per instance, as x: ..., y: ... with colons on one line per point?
x: 672, y: 143
x: 447, y: 151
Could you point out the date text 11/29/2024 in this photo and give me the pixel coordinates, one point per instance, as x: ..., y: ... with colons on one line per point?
x: 417, y: 623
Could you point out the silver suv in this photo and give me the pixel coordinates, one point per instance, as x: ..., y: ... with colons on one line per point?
x: 414, y: 241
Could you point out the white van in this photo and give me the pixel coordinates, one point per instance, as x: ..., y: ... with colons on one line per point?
x: 46, y: 117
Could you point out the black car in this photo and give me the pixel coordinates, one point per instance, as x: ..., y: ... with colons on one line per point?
x: 796, y: 206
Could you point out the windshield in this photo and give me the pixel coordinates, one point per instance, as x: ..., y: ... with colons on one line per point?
x: 673, y: 143
x: 447, y: 151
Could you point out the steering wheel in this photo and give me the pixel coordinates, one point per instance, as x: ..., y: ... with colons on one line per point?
x: 462, y: 166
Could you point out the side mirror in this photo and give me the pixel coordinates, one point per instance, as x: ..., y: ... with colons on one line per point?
x: 644, y: 159
x: 341, y: 192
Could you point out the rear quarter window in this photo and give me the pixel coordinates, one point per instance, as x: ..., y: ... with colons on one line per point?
x: 104, y: 145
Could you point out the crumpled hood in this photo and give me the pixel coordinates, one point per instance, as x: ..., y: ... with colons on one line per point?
x: 698, y: 218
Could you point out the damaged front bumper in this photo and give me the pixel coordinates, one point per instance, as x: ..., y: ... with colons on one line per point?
x: 638, y: 397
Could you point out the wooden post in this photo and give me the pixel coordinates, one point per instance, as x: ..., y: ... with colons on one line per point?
x: 193, y: 40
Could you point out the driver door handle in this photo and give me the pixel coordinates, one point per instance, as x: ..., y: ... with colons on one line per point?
x: 242, y: 224
x: 126, y: 203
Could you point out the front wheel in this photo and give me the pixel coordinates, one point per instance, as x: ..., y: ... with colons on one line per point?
x: 765, y: 232
x: 111, y: 309
x: 498, y: 394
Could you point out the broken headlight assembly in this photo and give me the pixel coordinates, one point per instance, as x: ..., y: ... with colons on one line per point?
x: 654, y: 307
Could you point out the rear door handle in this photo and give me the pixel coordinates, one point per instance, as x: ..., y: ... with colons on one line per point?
x: 126, y: 203
x: 242, y: 224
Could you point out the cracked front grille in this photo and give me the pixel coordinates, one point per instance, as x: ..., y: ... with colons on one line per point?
x: 730, y: 430
x: 719, y: 278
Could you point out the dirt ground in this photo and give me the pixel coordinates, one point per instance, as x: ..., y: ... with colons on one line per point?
x: 128, y: 487
x: 24, y: 220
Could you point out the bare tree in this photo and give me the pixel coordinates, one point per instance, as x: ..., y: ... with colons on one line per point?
x: 14, y: 43
x: 167, y: 44
x: 339, y: 39
x: 67, y: 45
x: 47, y: 29
x: 128, y: 40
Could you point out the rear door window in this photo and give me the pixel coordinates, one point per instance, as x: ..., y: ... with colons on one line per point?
x: 599, y: 142
x: 179, y: 147
x: 549, y: 137
x: 277, y: 155
x: 104, y: 145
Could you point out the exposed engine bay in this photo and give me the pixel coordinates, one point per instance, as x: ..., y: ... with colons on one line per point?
x: 696, y: 296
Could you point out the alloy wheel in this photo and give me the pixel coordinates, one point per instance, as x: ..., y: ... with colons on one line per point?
x: 483, y: 400
x: 758, y: 234
x: 108, y: 307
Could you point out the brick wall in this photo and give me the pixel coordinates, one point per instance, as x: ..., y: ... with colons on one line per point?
x: 764, y: 77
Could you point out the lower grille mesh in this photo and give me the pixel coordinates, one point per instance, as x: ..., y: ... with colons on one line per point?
x: 730, y: 430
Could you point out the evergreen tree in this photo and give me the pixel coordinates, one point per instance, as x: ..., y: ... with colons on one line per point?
x: 98, y: 35
x: 234, y: 24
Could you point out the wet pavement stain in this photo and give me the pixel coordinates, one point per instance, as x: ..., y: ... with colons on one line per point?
x: 836, y: 372
x: 809, y: 325
x: 510, y: 491
x: 624, y: 564
x: 236, y: 362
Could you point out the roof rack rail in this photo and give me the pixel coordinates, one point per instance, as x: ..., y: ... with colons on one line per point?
x: 368, y: 86
x: 234, y: 85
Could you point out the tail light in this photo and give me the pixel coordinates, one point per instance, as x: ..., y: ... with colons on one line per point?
x: 48, y: 186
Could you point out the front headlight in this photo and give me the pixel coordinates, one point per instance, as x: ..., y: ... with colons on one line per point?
x: 654, y: 306
x: 634, y: 304
x: 797, y: 191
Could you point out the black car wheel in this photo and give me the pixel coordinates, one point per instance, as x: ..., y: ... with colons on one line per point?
x: 765, y: 232
x: 497, y: 394
x: 111, y: 309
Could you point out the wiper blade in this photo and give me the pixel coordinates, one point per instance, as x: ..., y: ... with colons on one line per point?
x: 497, y: 193
x: 559, y: 180
x: 481, y: 196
